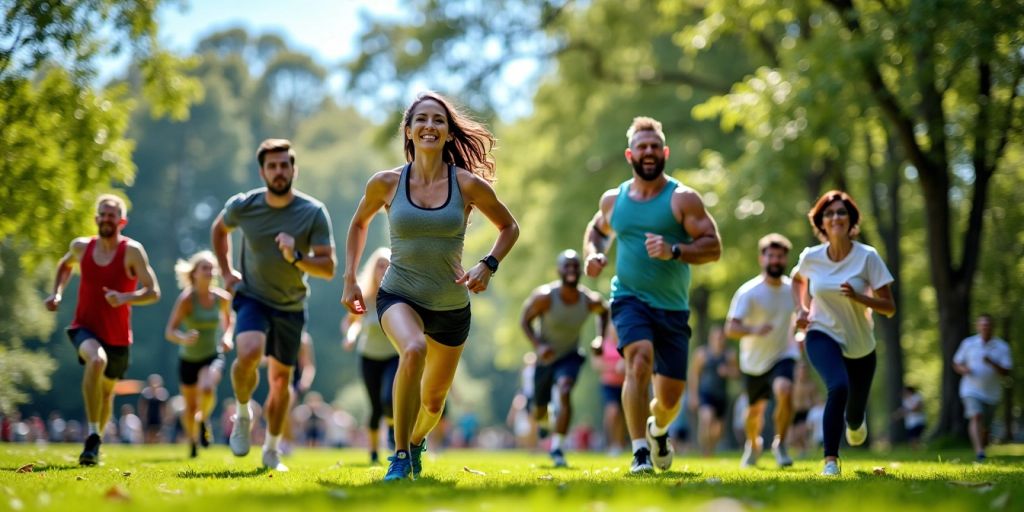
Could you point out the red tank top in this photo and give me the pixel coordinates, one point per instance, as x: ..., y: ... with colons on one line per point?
x: 112, y: 325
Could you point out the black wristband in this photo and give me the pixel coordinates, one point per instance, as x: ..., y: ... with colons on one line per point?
x: 491, y: 262
x: 676, y: 252
x: 297, y: 257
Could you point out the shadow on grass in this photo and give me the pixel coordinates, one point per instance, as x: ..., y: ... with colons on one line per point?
x: 226, y: 473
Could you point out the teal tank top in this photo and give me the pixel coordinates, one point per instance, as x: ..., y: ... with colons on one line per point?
x: 560, y: 325
x: 658, y: 283
x: 207, y: 322
x: 372, y: 342
x: 426, y: 248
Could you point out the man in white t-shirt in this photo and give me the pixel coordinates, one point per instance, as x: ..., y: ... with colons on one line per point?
x: 982, y: 361
x: 761, y: 316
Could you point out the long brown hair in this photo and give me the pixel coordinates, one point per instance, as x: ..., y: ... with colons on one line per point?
x: 471, y: 144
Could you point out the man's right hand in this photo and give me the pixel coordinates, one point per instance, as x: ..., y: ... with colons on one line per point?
x: 53, y: 302
x: 595, y: 264
x: 231, y: 280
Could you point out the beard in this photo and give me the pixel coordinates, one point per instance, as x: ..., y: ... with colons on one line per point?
x: 775, y: 271
x: 107, y: 229
x: 659, y: 168
x: 571, y: 281
x: 277, y: 188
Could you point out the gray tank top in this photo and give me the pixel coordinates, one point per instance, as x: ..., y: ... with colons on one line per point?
x: 711, y: 382
x: 426, y: 248
x: 372, y: 342
x: 560, y: 325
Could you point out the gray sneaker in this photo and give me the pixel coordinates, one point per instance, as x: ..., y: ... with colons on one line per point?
x: 781, y: 456
x: 240, y: 436
x: 751, y: 452
x: 272, y: 460
x: 831, y: 468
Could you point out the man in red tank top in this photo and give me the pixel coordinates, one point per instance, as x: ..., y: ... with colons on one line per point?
x: 115, y: 276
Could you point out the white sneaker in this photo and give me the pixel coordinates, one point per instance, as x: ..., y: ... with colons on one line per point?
x: 641, y: 462
x: 240, y: 436
x: 751, y: 451
x: 272, y: 460
x: 662, y: 450
x: 831, y: 468
x: 781, y: 456
x: 857, y: 437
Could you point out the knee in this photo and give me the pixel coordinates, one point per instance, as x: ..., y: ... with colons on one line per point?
x: 783, y: 390
x: 415, y: 351
x: 641, y: 362
x: 206, y: 388
x: 564, y: 388
x: 433, y: 403
x: 839, y: 389
x: 249, y: 357
x: 96, y: 363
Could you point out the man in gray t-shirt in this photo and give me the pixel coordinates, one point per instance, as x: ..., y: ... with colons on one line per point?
x: 285, y: 235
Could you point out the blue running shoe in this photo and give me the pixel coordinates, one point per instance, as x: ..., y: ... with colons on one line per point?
x: 399, y: 468
x: 416, y: 451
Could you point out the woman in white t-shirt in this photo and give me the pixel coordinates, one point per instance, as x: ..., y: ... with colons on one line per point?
x: 835, y: 286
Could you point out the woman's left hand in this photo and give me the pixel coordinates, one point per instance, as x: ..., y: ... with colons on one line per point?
x: 476, y: 279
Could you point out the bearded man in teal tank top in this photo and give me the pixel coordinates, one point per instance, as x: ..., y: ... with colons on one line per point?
x: 560, y: 308
x: 664, y: 228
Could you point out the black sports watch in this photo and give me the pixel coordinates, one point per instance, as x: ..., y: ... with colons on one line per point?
x: 491, y: 262
x: 676, y: 252
x: 297, y: 257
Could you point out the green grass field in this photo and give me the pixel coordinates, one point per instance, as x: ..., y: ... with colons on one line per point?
x: 162, y: 478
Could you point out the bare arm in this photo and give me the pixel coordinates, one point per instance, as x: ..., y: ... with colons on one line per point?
x: 481, y: 196
x: 221, y: 242
x: 64, y: 268
x: 379, y: 189
x: 535, y: 306
x: 695, y: 368
x: 351, y: 326
x: 706, y: 246
x: 307, y: 361
x: 802, y: 301
x: 598, y: 237
x: 182, y: 308
x: 321, y: 264
x: 148, y: 291
x: 227, y: 320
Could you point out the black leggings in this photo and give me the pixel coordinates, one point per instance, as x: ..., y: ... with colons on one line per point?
x: 848, y: 382
x: 379, y: 377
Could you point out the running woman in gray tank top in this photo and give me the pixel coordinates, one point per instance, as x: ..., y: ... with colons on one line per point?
x: 560, y: 308
x: 200, y: 324
x: 423, y: 303
x: 378, y: 360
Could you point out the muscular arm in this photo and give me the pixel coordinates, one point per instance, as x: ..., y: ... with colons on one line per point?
x: 64, y: 268
x: 149, y: 289
x: 538, y: 304
x: 221, y: 242
x: 706, y: 246
x: 598, y: 237
x: 482, y: 197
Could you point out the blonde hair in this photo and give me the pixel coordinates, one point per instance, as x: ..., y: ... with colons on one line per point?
x: 644, y: 124
x: 366, y: 274
x: 183, y: 269
x: 114, y: 200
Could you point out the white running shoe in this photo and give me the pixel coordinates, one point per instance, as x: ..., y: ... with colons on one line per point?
x: 272, y: 460
x: 831, y: 468
x: 641, y: 462
x: 857, y: 437
x: 781, y: 456
x: 240, y: 436
x: 662, y: 450
x: 751, y: 451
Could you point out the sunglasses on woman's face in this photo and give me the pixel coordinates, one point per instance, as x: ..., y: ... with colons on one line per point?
x: 835, y: 213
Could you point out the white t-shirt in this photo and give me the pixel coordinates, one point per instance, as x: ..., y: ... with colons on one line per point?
x: 757, y: 303
x: 845, y: 320
x: 912, y: 418
x: 983, y: 383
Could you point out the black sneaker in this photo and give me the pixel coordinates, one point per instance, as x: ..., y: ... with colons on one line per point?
x: 193, y: 451
x: 641, y: 462
x: 374, y: 458
x: 91, y: 454
x: 558, y: 458
x: 205, y: 435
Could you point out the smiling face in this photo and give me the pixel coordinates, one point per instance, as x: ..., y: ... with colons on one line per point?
x: 835, y: 220
x: 278, y: 172
x: 202, y: 274
x: 109, y: 219
x: 647, y: 154
x: 428, y: 126
x: 773, y: 261
x: 569, y: 271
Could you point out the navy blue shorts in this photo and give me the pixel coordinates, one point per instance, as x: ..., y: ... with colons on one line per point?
x: 715, y: 401
x: 546, y: 376
x: 612, y: 395
x: 282, y: 328
x: 668, y: 330
x: 759, y: 387
x: 118, y: 356
x: 450, y: 328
